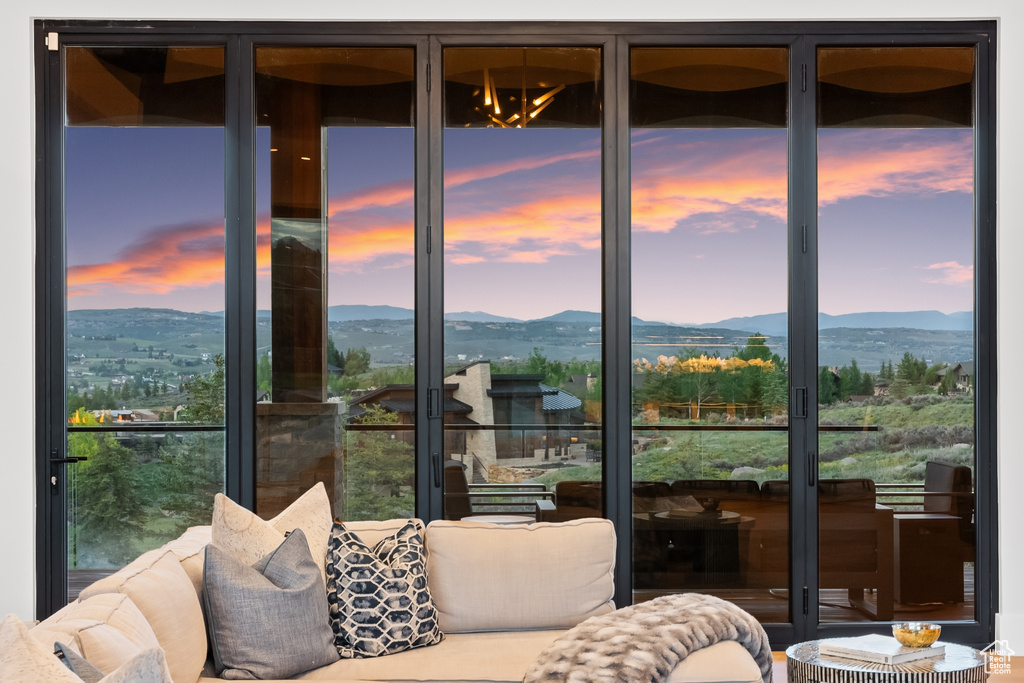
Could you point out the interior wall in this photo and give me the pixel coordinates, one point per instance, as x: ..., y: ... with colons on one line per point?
x: 17, y: 83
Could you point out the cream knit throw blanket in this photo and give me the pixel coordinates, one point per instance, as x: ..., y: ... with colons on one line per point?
x: 645, y: 642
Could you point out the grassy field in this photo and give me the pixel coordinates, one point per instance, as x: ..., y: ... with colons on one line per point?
x: 904, y: 436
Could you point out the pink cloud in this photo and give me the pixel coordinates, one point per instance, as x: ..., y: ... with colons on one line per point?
x: 951, y: 273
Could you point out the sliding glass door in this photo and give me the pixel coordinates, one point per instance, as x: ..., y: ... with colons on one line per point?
x: 710, y: 381
x: 729, y: 287
x: 896, y: 344
x: 143, y: 371
x: 522, y: 283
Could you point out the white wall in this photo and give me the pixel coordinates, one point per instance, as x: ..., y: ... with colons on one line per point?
x: 17, y: 510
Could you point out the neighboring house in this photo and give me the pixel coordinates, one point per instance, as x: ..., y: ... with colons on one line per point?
x: 472, y: 397
x: 963, y: 374
x: 400, y: 399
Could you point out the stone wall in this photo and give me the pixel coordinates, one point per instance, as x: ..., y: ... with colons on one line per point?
x: 297, y: 445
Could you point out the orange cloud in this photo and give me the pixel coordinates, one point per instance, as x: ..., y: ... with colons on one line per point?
x: 164, y: 259
x: 531, y: 217
x: 951, y: 273
x: 889, y: 164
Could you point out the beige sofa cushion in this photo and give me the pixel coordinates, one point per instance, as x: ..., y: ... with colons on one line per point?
x: 486, y: 577
x: 459, y: 657
x: 503, y: 657
x: 164, y: 594
x: 724, y: 662
x: 190, y: 549
x: 248, y: 538
x: 108, y: 630
x: 25, y: 660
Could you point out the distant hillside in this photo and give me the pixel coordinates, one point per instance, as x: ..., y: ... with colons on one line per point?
x: 776, y: 323
x: 347, y: 312
x: 480, y: 317
x: 572, y: 317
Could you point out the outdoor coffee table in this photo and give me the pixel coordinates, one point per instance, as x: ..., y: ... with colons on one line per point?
x: 961, y: 664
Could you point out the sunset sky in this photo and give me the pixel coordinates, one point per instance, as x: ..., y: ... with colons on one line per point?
x: 522, y: 220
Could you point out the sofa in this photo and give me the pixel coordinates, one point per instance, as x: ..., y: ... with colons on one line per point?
x: 502, y: 593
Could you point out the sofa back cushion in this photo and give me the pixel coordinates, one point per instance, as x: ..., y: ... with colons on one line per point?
x: 163, y: 592
x: 108, y: 630
x: 488, y: 577
x: 190, y: 549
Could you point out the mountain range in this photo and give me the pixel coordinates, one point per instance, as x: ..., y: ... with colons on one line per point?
x: 771, y: 323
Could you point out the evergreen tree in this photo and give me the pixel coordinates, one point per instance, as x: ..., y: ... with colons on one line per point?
x: 379, y: 471
x: 334, y: 356
x: 357, y: 361
x: 264, y: 373
x: 826, y: 387
x: 205, y: 403
x: 108, y: 503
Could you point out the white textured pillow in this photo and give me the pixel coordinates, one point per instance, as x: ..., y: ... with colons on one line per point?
x: 248, y: 538
x: 24, y: 660
x: 164, y: 594
x: 108, y: 630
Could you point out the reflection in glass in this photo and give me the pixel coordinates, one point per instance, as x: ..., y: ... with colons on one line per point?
x: 144, y: 240
x: 895, y: 386
x: 522, y: 245
x: 335, y: 286
x: 709, y: 287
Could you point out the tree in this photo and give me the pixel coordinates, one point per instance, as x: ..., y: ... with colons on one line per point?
x: 193, y: 474
x: 108, y: 502
x: 867, y: 384
x: 776, y: 387
x: 948, y: 384
x: 264, y: 373
x: 205, y: 402
x: 826, y: 387
x: 379, y: 471
x: 911, y: 369
x: 357, y: 361
x: 755, y: 348
x: 334, y: 356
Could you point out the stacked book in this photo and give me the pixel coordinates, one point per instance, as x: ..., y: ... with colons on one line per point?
x: 877, y: 649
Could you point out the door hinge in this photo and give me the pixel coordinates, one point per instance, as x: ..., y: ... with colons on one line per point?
x: 807, y: 600
x: 803, y: 78
x: 428, y: 76
x: 804, y: 239
x: 52, y: 42
x: 429, y: 237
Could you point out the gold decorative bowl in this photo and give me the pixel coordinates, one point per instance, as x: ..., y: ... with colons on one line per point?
x: 915, y: 633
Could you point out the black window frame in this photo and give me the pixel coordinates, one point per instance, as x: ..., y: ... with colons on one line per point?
x: 240, y: 38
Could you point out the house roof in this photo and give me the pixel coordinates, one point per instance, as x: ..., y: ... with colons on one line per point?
x: 556, y: 399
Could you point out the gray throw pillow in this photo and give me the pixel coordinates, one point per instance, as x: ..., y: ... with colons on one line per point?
x: 379, y: 600
x: 269, y: 620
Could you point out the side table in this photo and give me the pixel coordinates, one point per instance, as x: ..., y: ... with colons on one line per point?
x: 961, y: 664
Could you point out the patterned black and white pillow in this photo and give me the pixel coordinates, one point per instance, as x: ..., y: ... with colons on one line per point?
x: 379, y: 600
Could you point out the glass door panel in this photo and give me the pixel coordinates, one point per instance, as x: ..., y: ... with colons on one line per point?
x: 522, y: 283
x: 144, y: 364
x: 896, y: 339
x: 335, y: 286
x: 709, y: 333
